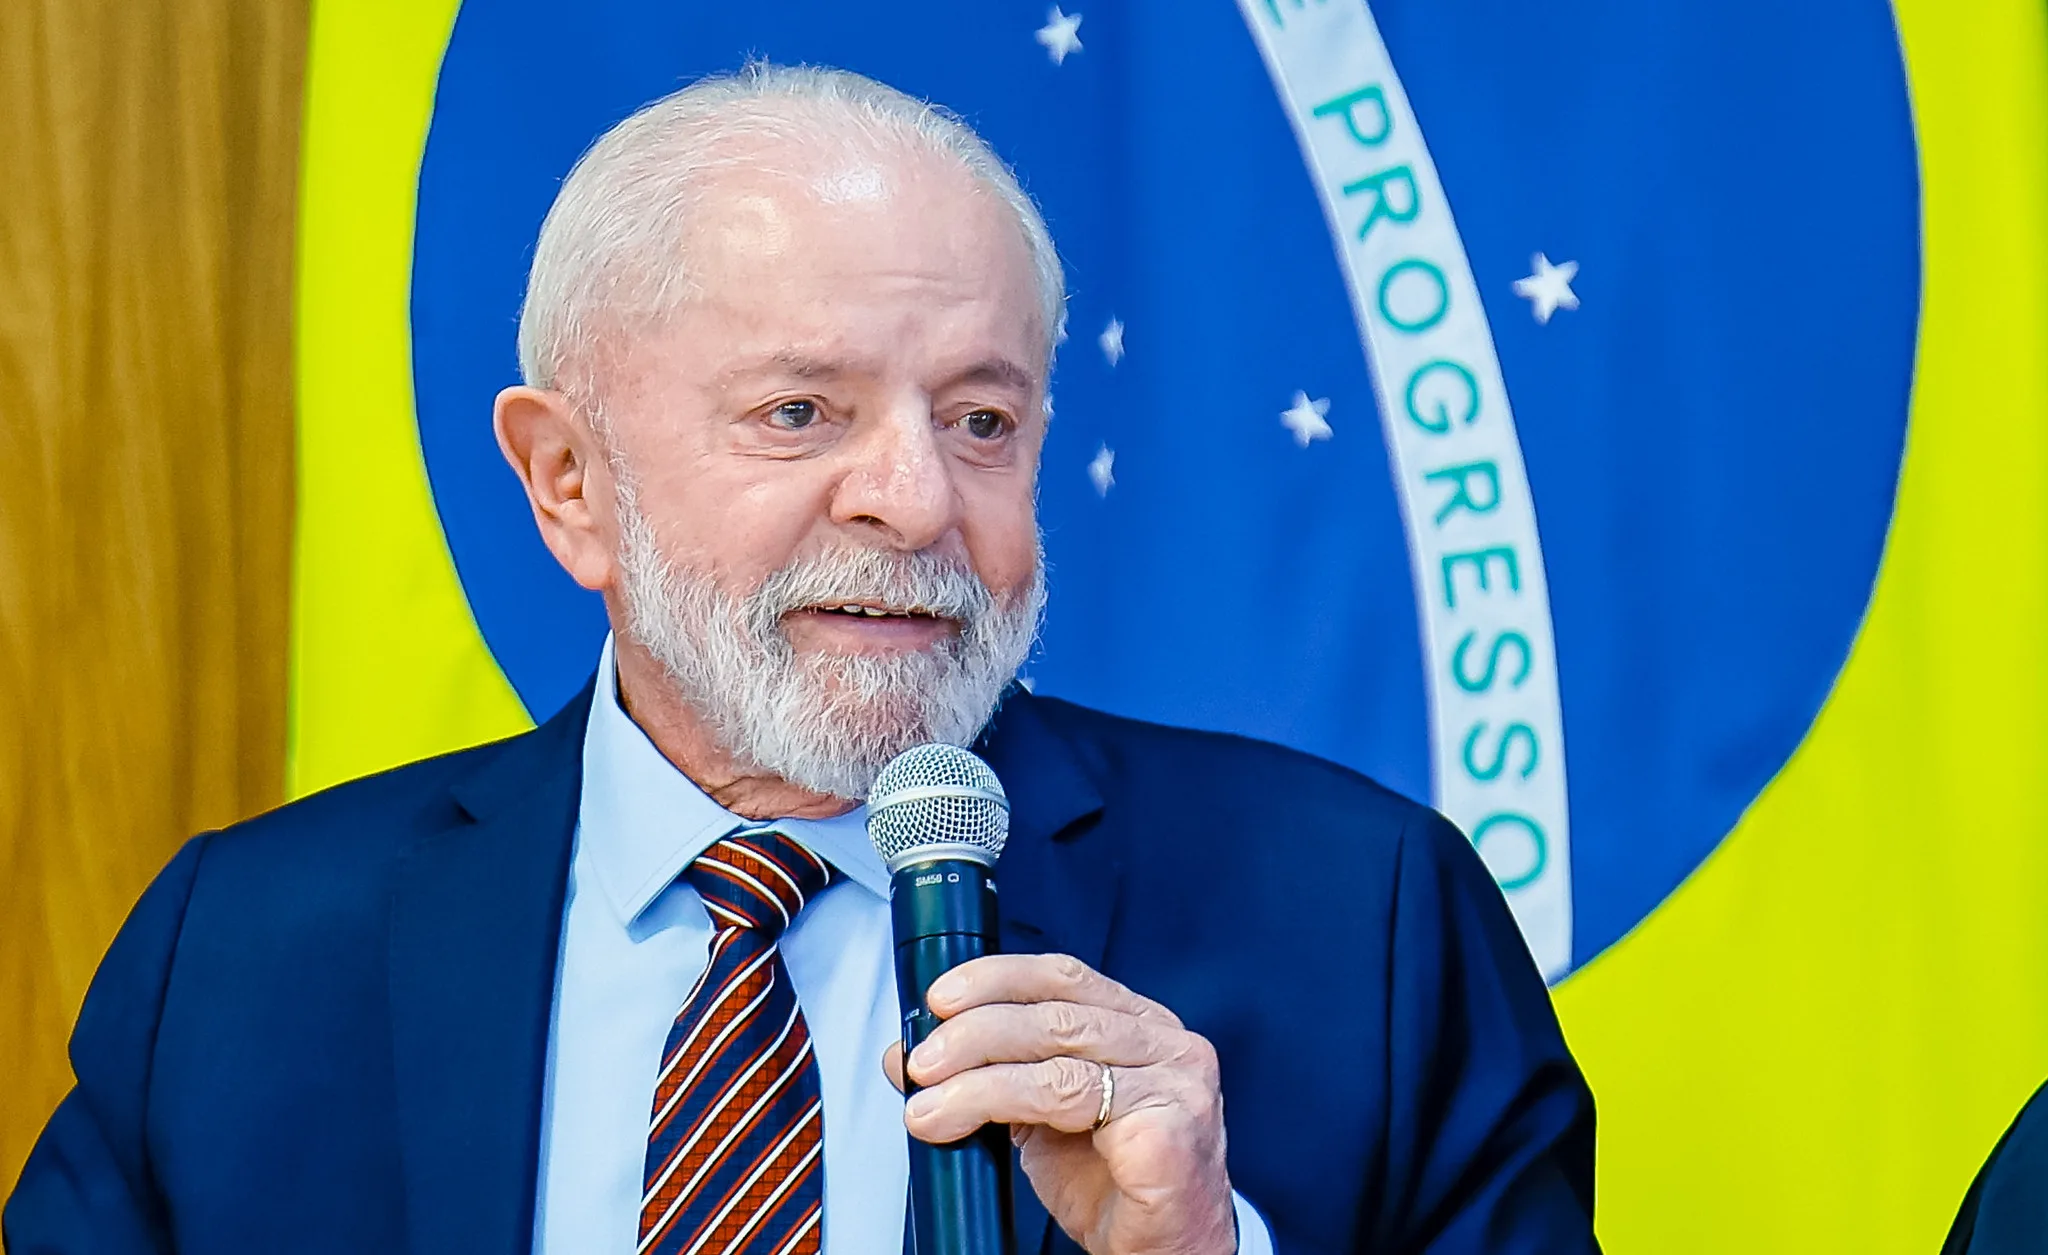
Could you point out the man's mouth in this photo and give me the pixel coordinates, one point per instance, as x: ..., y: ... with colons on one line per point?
x: 862, y: 610
x: 867, y: 627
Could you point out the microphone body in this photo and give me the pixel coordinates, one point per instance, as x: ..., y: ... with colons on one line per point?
x: 938, y: 818
x: 945, y: 914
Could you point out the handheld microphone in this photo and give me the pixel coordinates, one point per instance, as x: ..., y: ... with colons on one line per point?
x: 938, y: 817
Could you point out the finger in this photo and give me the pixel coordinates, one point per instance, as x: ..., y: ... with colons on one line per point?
x: 1062, y: 1094
x: 1019, y: 1032
x: 892, y: 1065
x: 1035, y: 978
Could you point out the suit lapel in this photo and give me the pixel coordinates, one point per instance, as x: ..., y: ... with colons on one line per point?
x: 1057, y: 876
x: 476, y: 922
x: 1058, y: 883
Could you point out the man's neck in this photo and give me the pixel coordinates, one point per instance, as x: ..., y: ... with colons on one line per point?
x: 679, y: 733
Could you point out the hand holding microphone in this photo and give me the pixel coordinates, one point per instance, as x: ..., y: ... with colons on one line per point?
x: 1115, y: 1106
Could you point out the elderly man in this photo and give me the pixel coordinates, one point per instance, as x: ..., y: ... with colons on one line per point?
x: 624, y: 983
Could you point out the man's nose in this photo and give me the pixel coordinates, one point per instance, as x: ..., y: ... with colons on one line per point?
x: 900, y: 483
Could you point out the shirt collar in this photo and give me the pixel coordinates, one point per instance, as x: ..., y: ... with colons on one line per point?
x: 642, y: 821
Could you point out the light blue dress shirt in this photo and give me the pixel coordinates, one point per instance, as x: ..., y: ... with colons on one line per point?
x: 634, y: 940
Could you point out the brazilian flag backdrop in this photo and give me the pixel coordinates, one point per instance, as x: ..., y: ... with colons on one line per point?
x: 1624, y: 426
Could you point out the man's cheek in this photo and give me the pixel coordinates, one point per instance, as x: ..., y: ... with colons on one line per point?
x: 1009, y: 578
x: 1002, y: 540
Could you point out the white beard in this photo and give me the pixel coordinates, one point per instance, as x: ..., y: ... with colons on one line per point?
x: 828, y: 723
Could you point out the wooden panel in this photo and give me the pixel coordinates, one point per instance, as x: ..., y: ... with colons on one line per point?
x: 149, y: 151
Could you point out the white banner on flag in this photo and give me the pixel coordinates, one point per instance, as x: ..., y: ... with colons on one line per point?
x: 1496, y: 727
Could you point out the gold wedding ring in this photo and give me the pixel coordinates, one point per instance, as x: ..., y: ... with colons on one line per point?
x: 1108, y: 1098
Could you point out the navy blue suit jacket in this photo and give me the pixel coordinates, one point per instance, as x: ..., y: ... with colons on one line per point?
x: 2006, y: 1210
x: 324, y: 1030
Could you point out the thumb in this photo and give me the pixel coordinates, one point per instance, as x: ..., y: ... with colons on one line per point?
x: 892, y: 1064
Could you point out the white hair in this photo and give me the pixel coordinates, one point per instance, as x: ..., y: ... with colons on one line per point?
x: 610, y: 253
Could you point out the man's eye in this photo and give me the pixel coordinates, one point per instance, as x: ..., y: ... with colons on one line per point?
x: 985, y: 424
x: 794, y: 415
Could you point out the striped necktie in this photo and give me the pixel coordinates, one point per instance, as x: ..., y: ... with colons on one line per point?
x: 735, y: 1142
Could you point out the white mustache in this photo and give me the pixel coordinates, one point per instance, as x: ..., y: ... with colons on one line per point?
x: 925, y: 582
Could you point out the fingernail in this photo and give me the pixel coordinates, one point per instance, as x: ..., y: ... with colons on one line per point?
x: 925, y: 1056
x: 922, y: 1103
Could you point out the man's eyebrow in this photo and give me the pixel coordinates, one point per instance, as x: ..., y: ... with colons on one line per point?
x: 998, y: 370
x: 792, y: 365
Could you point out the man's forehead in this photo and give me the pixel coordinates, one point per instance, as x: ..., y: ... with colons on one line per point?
x: 759, y: 199
x: 780, y: 177
x: 826, y: 366
x: 806, y: 263
x: 740, y: 223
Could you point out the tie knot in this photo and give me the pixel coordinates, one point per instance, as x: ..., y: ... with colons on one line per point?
x: 757, y: 879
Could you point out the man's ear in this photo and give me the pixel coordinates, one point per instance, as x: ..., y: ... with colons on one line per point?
x: 558, y: 462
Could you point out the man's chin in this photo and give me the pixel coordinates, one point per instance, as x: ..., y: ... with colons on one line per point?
x: 884, y: 728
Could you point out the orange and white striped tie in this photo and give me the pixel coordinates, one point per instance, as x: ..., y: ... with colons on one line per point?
x: 735, y: 1145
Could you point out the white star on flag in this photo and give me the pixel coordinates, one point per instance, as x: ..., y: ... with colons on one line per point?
x: 1305, y: 419
x: 1550, y: 288
x: 1060, y: 35
x: 1102, y: 471
x: 1112, y: 341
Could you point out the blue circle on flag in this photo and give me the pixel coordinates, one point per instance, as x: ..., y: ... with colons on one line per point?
x: 1712, y: 437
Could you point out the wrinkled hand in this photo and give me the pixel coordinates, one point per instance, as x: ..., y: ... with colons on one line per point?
x: 1024, y: 1042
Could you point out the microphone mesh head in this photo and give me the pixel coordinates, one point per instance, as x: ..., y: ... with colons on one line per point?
x: 936, y: 795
